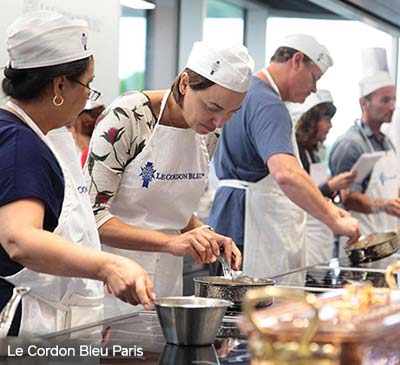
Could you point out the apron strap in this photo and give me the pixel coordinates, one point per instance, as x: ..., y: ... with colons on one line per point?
x: 237, y: 184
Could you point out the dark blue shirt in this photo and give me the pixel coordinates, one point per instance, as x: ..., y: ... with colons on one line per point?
x: 28, y: 169
x: 259, y: 130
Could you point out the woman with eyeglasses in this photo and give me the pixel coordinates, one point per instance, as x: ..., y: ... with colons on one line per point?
x: 49, y: 240
x: 313, y: 119
x: 148, y: 165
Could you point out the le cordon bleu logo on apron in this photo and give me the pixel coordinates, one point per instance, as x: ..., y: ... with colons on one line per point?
x: 383, y: 177
x: 150, y: 173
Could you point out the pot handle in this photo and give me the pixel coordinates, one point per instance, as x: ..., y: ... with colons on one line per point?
x: 255, y: 296
x: 390, y: 275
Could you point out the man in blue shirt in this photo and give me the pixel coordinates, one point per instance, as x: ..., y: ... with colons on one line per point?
x: 374, y: 201
x: 261, y: 178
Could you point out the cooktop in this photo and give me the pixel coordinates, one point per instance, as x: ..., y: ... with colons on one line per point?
x: 335, y: 274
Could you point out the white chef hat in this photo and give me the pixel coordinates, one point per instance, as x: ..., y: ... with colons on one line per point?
x: 376, y: 71
x: 311, y: 48
x: 320, y: 97
x: 46, y: 38
x: 230, y: 67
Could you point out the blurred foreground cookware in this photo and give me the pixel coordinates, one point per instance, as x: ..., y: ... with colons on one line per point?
x: 373, y: 247
x: 190, y: 321
x: 357, y: 325
x: 233, y: 290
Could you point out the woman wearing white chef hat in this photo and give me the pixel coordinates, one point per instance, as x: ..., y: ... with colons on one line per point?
x: 49, y: 240
x: 313, y: 122
x: 148, y: 164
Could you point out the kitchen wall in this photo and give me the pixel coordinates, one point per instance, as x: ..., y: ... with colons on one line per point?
x: 104, y: 34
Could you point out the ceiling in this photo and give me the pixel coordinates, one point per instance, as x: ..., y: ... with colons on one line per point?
x: 387, y: 11
x: 301, y: 7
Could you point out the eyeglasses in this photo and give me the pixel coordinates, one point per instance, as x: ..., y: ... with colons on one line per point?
x: 93, y: 94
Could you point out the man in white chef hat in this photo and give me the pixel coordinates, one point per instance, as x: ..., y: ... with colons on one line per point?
x: 263, y: 188
x: 374, y: 201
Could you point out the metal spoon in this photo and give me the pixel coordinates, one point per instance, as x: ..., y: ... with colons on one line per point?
x: 231, y: 274
x: 226, y: 268
x: 242, y: 276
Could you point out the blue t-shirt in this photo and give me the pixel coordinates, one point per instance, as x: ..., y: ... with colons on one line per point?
x: 28, y: 169
x: 259, y: 130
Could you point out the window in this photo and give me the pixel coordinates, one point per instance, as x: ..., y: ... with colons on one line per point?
x: 224, y: 23
x: 344, y: 39
x: 132, y: 49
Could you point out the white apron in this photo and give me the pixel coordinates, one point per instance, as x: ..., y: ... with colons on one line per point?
x: 383, y: 184
x: 274, y: 232
x: 160, y: 190
x: 56, y: 303
x: 318, y: 235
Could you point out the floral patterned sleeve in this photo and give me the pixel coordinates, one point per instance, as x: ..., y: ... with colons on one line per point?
x: 120, y: 135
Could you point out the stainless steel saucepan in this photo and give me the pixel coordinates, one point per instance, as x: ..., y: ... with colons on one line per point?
x: 233, y: 290
x: 373, y: 247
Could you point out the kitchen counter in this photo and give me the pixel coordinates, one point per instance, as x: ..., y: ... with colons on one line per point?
x: 135, y: 338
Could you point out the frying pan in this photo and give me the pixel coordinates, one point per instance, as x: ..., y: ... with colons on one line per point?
x: 373, y: 247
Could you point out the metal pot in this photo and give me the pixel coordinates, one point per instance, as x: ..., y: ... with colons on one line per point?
x: 220, y: 287
x: 190, y: 321
x: 173, y: 354
x: 373, y: 247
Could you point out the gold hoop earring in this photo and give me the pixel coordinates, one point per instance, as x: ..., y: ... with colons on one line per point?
x: 56, y: 102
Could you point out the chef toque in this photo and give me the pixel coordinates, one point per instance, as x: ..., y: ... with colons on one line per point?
x: 320, y: 97
x: 46, y: 38
x: 311, y: 48
x: 230, y: 67
x: 376, y: 71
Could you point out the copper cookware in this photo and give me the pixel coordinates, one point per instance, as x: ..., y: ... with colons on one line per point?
x: 357, y: 325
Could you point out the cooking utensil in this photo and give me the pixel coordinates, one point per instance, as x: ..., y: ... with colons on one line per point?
x: 242, y: 276
x: 373, y: 247
x: 188, y: 355
x: 353, y: 326
x: 265, y: 347
x: 391, y: 275
x: 229, y: 273
x: 228, y: 289
x: 226, y: 268
x: 190, y: 321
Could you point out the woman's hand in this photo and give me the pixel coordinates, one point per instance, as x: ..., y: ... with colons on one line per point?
x: 204, y: 244
x: 128, y: 281
x: 341, y: 181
